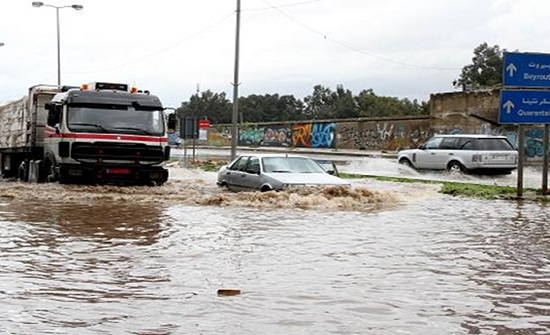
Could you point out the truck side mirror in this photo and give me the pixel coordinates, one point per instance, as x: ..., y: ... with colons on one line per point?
x: 172, y: 121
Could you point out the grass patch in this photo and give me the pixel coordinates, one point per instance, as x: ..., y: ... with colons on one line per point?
x: 464, y: 189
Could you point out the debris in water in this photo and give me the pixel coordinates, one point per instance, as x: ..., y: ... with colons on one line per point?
x: 228, y: 292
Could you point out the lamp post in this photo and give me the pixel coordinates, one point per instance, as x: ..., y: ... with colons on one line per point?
x: 235, y: 113
x: 57, y: 8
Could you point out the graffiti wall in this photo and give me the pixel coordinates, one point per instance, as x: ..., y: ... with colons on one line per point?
x: 272, y: 135
x: 450, y: 113
x: 383, y: 135
x: 314, y: 135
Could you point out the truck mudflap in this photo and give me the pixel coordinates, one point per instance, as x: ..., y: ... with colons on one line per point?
x: 113, y: 174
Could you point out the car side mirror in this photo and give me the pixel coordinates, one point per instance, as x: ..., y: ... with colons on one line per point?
x: 422, y: 147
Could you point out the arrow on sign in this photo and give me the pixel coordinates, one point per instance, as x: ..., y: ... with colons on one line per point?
x: 509, y: 105
x: 511, y: 69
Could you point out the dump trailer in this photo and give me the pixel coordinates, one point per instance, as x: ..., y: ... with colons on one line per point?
x: 98, y: 133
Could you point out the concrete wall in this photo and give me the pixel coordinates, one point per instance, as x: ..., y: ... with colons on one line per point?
x: 450, y: 113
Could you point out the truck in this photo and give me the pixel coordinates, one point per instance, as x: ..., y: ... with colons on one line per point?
x: 99, y: 133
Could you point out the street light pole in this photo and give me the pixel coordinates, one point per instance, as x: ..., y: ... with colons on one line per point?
x: 57, y: 8
x: 235, y: 114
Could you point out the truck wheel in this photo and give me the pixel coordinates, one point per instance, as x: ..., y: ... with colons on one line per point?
x: 50, y: 175
x: 23, y: 171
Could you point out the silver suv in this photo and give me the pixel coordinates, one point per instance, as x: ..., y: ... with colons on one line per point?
x: 483, y: 154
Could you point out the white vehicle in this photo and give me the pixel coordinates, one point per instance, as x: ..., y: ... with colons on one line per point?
x: 267, y: 172
x: 483, y: 154
x: 98, y: 133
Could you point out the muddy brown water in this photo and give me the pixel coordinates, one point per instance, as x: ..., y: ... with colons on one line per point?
x: 379, y: 258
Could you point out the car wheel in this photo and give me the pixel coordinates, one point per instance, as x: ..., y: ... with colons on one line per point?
x: 265, y: 189
x: 406, y: 162
x: 455, y: 167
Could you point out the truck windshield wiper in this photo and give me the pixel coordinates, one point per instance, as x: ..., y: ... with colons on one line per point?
x: 98, y: 126
x: 133, y: 128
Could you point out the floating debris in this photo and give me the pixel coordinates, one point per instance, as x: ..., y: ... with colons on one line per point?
x: 228, y: 292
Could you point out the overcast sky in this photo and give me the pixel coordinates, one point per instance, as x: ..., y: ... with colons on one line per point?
x: 401, y: 48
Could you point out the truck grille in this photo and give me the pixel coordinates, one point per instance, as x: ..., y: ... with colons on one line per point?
x: 117, y: 152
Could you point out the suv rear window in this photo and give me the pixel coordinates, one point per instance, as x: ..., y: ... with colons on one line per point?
x: 492, y: 144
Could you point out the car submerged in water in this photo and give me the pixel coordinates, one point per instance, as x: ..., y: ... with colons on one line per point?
x: 480, y: 154
x: 274, y: 172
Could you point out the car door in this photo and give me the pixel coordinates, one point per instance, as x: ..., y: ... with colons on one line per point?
x: 444, y: 153
x: 234, y: 173
x: 250, y: 178
x: 428, y: 155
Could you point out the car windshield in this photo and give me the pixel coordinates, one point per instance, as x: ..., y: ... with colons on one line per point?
x: 119, y: 119
x: 290, y: 165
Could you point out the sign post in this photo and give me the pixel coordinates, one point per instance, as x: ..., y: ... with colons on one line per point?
x: 526, y: 100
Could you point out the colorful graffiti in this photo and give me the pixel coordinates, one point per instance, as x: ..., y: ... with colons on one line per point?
x: 251, y: 136
x: 274, y: 136
x: 277, y: 136
x: 314, y: 135
x: 534, y: 146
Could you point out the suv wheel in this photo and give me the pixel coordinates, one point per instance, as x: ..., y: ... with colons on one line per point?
x: 406, y: 162
x: 455, y: 167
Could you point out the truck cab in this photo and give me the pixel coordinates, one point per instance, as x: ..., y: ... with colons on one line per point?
x: 105, y: 133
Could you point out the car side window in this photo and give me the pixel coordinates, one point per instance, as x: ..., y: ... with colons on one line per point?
x: 462, y: 143
x: 447, y: 143
x: 468, y: 145
x: 253, y: 165
x: 240, y: 164
x: 433, y: 143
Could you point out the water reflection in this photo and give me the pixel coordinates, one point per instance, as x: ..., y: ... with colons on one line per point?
x: 101, y: 221
x: 56, y: 256
x: 515, y: 276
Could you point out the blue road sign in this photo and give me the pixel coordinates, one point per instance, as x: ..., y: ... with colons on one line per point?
x: 526, y: 69
x: 525, y: 106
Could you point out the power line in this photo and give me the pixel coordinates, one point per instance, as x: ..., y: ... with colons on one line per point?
x: 346, y: 46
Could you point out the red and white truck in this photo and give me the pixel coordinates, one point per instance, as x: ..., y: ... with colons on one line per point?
x: 97, y: 133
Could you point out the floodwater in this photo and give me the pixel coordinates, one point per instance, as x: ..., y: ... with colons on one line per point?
x: 379, y: 258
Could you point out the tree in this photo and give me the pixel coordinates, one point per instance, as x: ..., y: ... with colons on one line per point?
x: 215, y: 106
x: 485, y: 70
x: 326, y: 104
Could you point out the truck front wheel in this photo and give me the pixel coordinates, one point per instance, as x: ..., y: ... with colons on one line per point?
x: 48, y: 171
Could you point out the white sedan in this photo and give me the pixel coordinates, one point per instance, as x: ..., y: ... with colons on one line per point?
x: 266, y: 172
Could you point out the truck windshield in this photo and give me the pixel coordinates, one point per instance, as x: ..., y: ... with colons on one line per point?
x: 115, y: 119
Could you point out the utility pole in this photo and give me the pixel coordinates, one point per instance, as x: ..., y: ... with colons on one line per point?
x: 235, y: 114
x: 195, y: 116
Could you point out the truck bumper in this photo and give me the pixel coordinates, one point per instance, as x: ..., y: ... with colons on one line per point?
x: 113, y: 174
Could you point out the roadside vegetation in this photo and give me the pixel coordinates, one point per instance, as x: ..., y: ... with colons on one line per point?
x: 457, y: 189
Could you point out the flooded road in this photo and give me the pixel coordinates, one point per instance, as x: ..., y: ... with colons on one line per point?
x: 380, y: 258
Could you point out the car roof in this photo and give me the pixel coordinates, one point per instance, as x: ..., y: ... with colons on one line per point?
x: 470, y: 135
